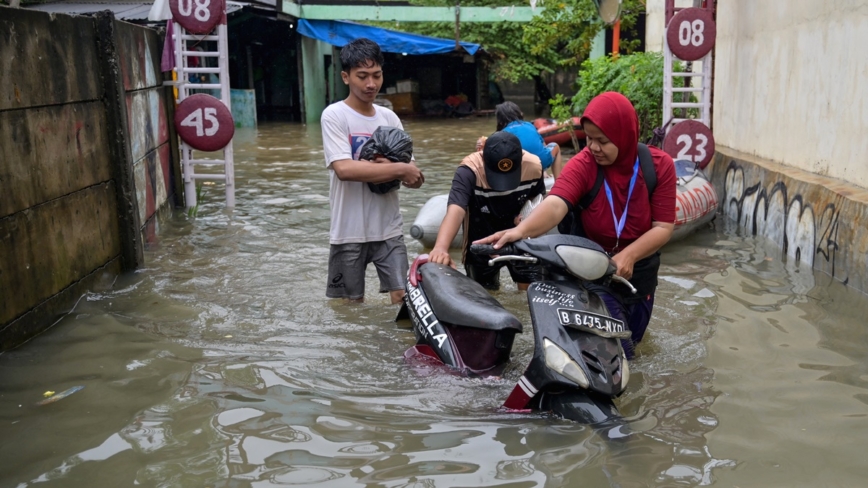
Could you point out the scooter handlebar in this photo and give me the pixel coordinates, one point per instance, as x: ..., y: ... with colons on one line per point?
x: 489, y: 250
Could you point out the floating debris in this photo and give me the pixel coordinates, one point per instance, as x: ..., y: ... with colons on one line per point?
x: 60, y: 396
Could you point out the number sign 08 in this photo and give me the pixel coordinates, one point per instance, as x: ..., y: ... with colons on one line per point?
x: 690, y: 140
x: 198, y: 16
x: 691, y: 34
x: 204, y: 122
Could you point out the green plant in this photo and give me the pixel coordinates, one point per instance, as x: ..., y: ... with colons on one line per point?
x: 562, y: 112
x: 638, y: 76
x: 560, y: 35
x: 193, y: 211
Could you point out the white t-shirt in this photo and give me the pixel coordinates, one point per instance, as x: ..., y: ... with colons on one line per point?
x: 357, y: 213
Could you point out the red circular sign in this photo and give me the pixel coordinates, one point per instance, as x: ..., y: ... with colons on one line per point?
x: 204, y: 122
x: 690, y: 140
x: 691, y: 33
x: 198, y: 16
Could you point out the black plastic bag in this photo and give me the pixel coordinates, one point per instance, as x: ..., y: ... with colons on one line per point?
x: 391, y: 143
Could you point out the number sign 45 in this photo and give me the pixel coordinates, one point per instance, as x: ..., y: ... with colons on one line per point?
x: 204, y: 122
x: 198, y: 16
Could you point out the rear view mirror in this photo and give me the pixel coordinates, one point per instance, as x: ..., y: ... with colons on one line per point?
x: 609, y: 10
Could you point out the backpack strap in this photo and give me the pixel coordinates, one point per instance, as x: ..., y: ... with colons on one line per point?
x: 648, y: 171
x: 589, y: 197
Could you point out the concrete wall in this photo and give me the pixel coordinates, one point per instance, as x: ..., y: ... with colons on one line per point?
x: 790, y: 124
x: 655, y: 20
x: 150, y: 110
x: 791, y: 84
x: 815, y: 220
x: 314, y: 89
x: 790, y: 119
x: 70, y: 214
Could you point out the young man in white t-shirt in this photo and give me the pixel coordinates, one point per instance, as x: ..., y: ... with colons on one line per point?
x: 365, y: 226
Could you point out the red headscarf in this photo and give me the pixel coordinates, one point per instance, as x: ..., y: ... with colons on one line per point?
x: 617, y: 118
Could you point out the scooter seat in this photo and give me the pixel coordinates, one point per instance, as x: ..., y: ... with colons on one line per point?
x: 458, y: 300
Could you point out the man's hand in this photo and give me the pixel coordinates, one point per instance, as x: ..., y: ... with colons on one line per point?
x: 412, y: 176
x: 480, y: 143
x: 440, y: 256
x: 501, y: 238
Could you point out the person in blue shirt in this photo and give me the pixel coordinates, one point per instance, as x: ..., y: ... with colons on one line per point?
x: 511, y: 119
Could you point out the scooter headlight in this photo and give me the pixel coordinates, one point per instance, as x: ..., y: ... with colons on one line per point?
x: 558, y: 360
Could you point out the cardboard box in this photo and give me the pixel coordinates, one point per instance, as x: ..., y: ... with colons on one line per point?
x: 407, y: 86
x: 405, y: 103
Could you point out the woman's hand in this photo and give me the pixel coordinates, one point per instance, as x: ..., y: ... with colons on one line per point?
x: 440, y: 256
x: 625, y: 265
x: 501, y: 238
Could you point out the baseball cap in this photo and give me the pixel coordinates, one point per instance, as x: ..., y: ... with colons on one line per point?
x: 502, y: 157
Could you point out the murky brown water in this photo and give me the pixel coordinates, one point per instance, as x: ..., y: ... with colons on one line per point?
x: 222, y: 364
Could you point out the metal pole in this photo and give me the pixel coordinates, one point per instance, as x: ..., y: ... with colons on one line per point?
x: 225, y: 94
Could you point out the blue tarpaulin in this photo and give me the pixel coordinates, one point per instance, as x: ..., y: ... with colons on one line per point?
x: 340, y: 33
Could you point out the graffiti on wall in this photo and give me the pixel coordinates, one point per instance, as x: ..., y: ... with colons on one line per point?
x: 805, y: 230
x: 147, y: 121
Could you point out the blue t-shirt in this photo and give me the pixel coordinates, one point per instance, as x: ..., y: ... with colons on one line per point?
x: 531, y: 141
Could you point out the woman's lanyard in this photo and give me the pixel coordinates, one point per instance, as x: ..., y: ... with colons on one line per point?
x: 619, y: 223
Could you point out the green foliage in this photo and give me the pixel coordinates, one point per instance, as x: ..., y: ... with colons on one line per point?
x: 200, y: 192
x: 561, y: 108
x: 568, y: 27
x: 561, y: 35
x: 639, y: 77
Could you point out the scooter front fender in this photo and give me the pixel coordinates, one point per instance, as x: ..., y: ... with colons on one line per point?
x: 580, y: 406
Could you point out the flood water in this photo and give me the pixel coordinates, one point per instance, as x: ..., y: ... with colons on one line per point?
x: 221, y: 363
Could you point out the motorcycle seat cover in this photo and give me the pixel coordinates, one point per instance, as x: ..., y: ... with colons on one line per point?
x: 458, y: 300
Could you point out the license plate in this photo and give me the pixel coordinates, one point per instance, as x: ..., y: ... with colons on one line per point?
x: 593, y: 322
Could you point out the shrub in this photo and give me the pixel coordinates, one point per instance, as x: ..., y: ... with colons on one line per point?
x: 639, y: 77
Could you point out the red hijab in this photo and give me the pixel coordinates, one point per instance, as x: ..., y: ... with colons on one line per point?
x: 617, y: 118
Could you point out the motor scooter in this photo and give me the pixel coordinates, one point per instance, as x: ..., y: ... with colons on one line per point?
x: 578, y: 364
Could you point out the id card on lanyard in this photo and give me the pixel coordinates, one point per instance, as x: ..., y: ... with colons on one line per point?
x: 619, y: 223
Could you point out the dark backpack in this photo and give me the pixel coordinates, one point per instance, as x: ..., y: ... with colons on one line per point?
x: 571, y: 224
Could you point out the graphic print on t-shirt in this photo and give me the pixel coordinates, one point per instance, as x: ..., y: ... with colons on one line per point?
x: 356, y: 143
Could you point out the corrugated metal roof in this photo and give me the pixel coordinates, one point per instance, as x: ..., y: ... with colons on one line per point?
x: 123, y: 10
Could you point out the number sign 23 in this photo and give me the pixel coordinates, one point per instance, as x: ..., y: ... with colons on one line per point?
x: 690, y: 140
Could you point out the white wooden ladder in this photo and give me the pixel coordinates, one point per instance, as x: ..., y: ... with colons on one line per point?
x: 702, y: 89
x: 185, y: 49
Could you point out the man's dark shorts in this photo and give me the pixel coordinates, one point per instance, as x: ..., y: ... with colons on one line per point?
x: 347, y: 264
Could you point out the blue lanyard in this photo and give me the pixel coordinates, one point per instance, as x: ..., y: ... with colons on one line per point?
x: 619, y: 223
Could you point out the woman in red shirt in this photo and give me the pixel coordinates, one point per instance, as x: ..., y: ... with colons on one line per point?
x: 622, y: 218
